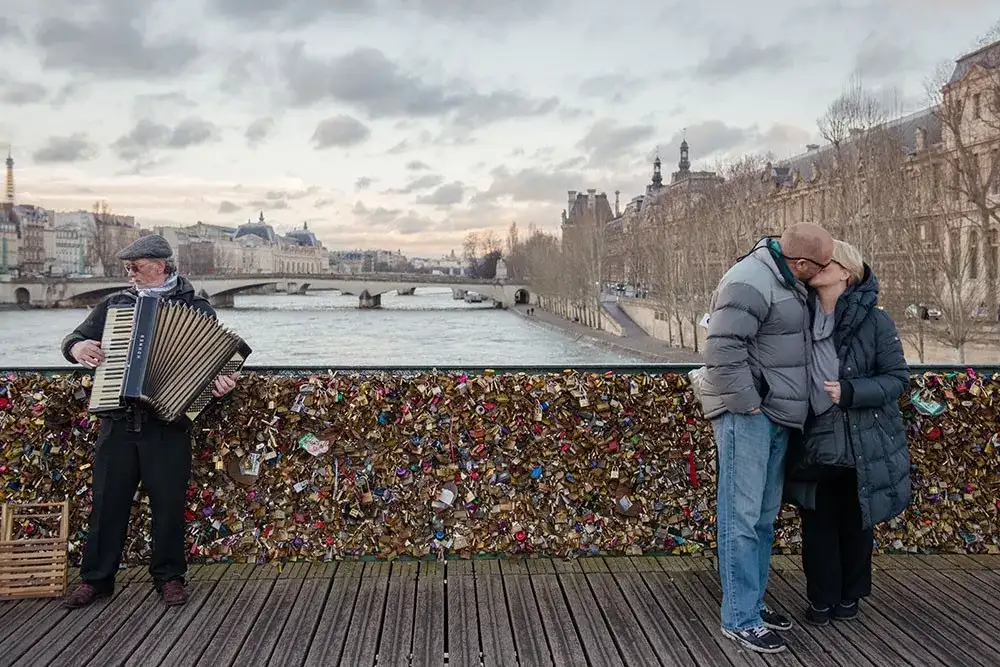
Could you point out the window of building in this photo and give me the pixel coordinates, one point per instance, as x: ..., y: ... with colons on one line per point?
x: 977, y: 110
x: 974, y: 249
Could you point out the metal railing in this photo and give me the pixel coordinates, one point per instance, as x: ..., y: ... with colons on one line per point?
x: 624, y: 369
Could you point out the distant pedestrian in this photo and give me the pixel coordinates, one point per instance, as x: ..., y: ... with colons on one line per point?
x: 755, y: 389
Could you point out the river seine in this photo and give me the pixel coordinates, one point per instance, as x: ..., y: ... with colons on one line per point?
x: 326, y: 329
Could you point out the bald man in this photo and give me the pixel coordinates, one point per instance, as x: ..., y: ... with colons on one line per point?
x: 756, y: 388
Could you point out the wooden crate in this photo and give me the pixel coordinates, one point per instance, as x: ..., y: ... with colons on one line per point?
x: 33, y: 568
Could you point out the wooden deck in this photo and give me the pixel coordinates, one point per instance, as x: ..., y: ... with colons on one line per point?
x: 633, y: 612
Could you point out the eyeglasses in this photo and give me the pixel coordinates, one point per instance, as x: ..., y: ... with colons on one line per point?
x: 806, y: 259
x: 134, y: 267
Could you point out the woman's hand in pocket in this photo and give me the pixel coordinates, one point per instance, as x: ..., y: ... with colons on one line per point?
x: 833, y: 391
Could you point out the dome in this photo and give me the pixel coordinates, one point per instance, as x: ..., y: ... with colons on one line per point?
x: 260, y: 229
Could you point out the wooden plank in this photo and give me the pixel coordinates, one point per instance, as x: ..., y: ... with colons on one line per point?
x: 199, y: 632
x: 961, y: 562
x: 707, y: 611
x: 594, y: 633
x: 626, y: 630
x: 659, y: 627
x: 93, y: 638
x: 526, y: 622
x: 972, y: 638
x: 801, y: 644
x: 463, y: 617
x: 967, y: 605
x: 850, y: 650
x: 128, y: 637
x: 47, y: 647
x: 988, y: 561
x: 697, y: 637
x: 593, y: 564
x: 154, y: 644
x: 429, y: 614
x: 293, y: 643
x: 21, y: 615
x: 366, y: 623
x: 24, y: 640
x: 541, y: 566
x: 892, y: 644
x: 328, y: 642
x: 229, y: 638
x: 263, y: 635
x: 396, y: 636
x: 563, y: 640
x: 567, y: 566
x: 495, y: 632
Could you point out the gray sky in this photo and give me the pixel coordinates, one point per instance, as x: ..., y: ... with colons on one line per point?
x: 405, y: 128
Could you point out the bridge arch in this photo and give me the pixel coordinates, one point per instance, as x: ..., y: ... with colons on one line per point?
x: 22, y: 296
x: 94, y: 295
x: 522, y: 297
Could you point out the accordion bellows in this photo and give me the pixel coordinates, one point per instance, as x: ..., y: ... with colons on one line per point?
x: 164, y: 356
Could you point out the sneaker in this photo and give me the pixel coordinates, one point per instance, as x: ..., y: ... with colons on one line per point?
x: 173, y: 593
x: 758, y: 639
x: 818, y: 616
x: 774, y: 620
x: 846, y: 611
x: 84, y: 595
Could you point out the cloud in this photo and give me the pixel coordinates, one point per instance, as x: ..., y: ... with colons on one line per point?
x: 9, y: 29
x: 606, y: 141
x: 377, y: 217
x: 67, y: 149
x: 259, y: 130
x: 340, y: 131
x: 363, y: 183
x: 879, y: 58
x: 366, y: 79
x: 417, y: 165
x: 112, y: 47
x: 707, y: 139
x: 228, y: 207
x: 148, y: 136
x: 381, y: 218
x: 21, y: 93
x: 615, y: 88
x: 446, y: 195
x: 269, y: 204
x: 295, y: 13
x: 323, y: 203
x: 529, y: 185
x: 743, y: 57
x: 149, y: 104
x: 425, y: 182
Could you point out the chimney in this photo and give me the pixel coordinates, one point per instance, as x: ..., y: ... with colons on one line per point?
x: 921, y: 139
x: 618, y: 194
x: 572, y: 198
x: 812, y: 147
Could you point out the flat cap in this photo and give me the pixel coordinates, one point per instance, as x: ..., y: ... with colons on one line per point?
x: 150, y: 246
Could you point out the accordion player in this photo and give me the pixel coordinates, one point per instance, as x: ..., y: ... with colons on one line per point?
x: 163, y: 356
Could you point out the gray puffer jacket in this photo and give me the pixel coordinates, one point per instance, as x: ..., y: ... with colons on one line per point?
x: 759, y: 342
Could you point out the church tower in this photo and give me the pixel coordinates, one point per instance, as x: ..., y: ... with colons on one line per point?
x: 8, y: 202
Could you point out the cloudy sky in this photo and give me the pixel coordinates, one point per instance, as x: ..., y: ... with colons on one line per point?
x: 407, y: 123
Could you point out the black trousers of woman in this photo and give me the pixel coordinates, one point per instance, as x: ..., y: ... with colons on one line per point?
x: 836, y: 551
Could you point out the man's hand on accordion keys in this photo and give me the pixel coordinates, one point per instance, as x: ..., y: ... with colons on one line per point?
x: 224, y: 384
x: 88, y: 353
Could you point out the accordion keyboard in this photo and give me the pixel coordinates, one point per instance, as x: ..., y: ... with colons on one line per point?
x: 109, y: 376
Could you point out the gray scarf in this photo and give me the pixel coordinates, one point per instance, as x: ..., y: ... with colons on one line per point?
x: 169, y: 285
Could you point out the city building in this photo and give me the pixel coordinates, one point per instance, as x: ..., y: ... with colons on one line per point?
x: 374, y: 261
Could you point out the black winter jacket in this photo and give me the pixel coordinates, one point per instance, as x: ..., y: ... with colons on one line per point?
x: 92, y: 328
x: 873, y: 377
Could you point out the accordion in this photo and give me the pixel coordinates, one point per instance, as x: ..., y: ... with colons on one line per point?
x: 163, y: 356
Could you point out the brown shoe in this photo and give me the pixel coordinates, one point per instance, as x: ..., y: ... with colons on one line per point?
x: 173, y: 593
x: 83, y: 596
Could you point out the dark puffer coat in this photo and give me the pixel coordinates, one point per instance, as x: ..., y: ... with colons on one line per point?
x: 873, y: 377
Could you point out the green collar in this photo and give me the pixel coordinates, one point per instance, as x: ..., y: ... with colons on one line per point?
x: 782, y: 264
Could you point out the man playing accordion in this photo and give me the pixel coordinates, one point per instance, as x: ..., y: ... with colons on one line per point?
x: 134, y: 447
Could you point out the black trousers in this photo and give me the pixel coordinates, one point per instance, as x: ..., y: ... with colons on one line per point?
x: 160, y: 457
x: 836, y: 551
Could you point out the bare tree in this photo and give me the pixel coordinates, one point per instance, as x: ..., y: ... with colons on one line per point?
x: 966, y: 101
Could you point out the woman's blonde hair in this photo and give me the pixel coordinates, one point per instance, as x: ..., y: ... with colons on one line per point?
x: 850, y: 258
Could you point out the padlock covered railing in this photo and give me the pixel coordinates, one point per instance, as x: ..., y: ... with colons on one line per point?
x: 310, y: 463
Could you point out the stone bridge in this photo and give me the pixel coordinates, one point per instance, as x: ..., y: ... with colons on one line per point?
x: 220, y: 290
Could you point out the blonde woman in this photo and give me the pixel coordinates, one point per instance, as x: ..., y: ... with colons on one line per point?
x: 851, y: 469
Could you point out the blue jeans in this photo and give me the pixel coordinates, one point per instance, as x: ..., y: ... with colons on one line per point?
x: 751, y: 463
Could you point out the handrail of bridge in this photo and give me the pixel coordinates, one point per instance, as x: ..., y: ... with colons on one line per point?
x: 353, y: 277
x: 624, y: 369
